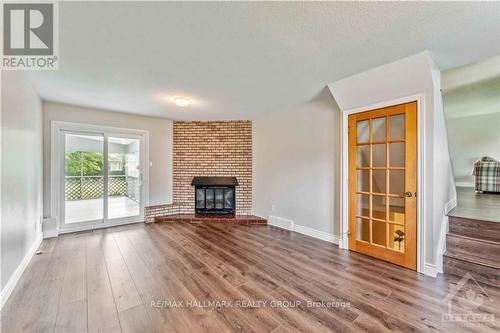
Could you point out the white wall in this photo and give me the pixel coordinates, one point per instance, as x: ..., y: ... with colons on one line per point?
x: 21, y: 175
x: 414, y: 75
x: 160, y: 144
x: 470, y: 139
x: 472, y: 73
x: 296, y: 166
x: 472, y: 109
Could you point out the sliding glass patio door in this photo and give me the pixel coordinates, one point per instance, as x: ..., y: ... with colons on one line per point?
x: 102, y: 179
x: 83, y: 178
x: 124, y: 177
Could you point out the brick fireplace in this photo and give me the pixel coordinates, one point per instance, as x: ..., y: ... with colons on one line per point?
x: 214, y: 195
x: 209, y: 148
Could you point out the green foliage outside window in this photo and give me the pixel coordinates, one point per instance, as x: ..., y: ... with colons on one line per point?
x: 78, y: 163
x: 91, y: 163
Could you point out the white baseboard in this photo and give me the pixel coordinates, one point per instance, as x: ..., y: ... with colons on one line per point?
x: 14, y: 279
x: 50, y: 234
x: 280, y: 222
x: 343, y: 245
x: 49, y: 227
x: 430, y: 270
x: 450, y: 205
x: 464, y: 184
x: 327, y: 237
x: 441, y: 244
x: 288, y: 224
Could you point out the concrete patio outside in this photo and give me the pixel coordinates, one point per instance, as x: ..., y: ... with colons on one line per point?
x: 92, y: 209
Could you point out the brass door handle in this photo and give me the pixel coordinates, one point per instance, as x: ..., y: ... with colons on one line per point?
x: 408, y: 194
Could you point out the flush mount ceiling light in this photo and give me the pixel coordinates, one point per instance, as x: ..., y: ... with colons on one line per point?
x: 180, y: 101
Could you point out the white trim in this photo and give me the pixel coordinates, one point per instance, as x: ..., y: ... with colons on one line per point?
x: 287, y: 224
x: 49, y: 227
x: 430, y: 270
x: 280, y: 222
x: 344, y: 183
x: 14, y: 279
x: 105, y: 179
x: 441, y: 245
x: 421, y: 142
x: 450, y: 205
x: 325, y: 236
x: 464, y: 184
x: 50, y: 234
x: 101, y: 226
x: 56, y: 146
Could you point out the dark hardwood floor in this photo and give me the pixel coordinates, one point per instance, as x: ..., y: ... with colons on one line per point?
x: 473, y: 239
x: 127, y: 279
x: 477, y: 206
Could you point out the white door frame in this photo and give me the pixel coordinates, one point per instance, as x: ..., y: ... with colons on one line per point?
x: 57, y: 168
x: 344, y: 188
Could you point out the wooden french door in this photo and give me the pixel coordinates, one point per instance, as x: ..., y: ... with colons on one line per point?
x: 383, y: 182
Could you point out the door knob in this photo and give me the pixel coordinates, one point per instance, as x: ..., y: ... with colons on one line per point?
x: 408, y: 194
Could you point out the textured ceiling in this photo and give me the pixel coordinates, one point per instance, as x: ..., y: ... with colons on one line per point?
x: 240, y: 60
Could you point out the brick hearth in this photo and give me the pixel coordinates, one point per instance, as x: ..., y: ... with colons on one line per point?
x: 212, y: 218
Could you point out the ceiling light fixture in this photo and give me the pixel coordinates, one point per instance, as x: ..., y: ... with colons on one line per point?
x: 182, y: 101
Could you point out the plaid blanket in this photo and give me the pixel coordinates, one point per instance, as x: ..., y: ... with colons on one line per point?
x: 487, y: 175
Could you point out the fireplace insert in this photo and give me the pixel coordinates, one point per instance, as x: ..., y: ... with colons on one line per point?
x: 215, y: 195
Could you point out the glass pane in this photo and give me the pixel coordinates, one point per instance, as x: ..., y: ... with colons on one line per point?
x: 219, y: 198
x: 397, y: 127
x: 363, y: 229
x: 363, y: 205
x: 379, y: 207
x: 397, y: 237
x: 123, y: 177
x: 228, y: 198
x: 83, y: 178
x: 379, y: 233
x: 379, y: 155
x: 396, y: 182
x: 379, y: 129
x: 363, y: 131
x: 200, y: 198
x: 379, y: 181
x: 397, y: 210
x: 363, y: 180
x: 210, y: 202
x: 363, y: 156
x: 397, y: 154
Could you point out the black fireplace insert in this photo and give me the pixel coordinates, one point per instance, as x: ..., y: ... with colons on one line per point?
x: 215, y: 195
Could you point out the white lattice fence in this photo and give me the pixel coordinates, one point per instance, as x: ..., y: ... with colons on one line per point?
x: 92, y: 187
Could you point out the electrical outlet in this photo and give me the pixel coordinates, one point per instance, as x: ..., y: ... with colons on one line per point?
x: 273, y: 208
